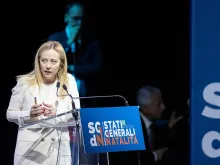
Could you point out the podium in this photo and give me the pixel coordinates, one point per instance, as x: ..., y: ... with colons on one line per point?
x: 58, y: 140
x: 55, y: 140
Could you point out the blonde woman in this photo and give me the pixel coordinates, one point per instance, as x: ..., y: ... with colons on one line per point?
x: 34, y: 98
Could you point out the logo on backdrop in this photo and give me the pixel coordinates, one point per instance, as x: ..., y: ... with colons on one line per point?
x: 210, y: 96
x: 112, y: 129
x: 114, y: 132
x: 212, y: 112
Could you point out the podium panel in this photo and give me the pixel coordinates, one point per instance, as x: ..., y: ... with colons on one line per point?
x: 52, y: 141
x: 112, y: 129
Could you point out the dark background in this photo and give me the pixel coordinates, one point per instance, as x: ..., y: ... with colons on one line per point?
x: 142, y: 42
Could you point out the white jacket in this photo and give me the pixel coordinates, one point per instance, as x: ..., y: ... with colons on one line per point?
x: 31, y: 148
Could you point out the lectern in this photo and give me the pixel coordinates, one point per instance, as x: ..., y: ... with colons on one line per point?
x: 55, y: 140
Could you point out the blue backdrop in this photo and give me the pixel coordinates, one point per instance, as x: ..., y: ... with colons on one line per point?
x: 205, y: 82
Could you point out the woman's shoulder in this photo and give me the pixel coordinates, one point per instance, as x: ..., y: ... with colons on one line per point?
x: 71, y: 80
x: 21, y: 85
x: 70, y: 77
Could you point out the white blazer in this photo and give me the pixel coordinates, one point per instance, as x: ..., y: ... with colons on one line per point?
x: 31, y: 148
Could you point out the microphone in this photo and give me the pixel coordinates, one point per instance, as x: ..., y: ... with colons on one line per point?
x: 75, y: 112
x: 73, y: 103
x: 58, y: 86
x: 91, y: 97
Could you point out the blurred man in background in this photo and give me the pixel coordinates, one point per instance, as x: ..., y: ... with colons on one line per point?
x: 83, y: 51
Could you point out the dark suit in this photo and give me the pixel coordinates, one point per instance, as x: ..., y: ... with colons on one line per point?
x: 160, y: 141
x: 145, y: 157
x: 87, y: 58
x: 179, y: 145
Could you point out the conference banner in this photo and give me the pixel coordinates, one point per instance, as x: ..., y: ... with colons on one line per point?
x: 111, y: 129
x: 205, y: 82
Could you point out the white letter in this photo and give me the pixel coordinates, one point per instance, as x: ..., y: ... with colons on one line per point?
x: 133, y: 131
x: 117, y: 121
x: 109, y: 123
x: 106, y: 133
x: 93, y: 141
x: 110, y: 133
x: 96, y: 127
x: 119, y: 132
x: 113, y: 125
x: 122, y: 132
x: 115, y: 132
x: 91, y: 128
x: 105, y: 125
x: 211, y: 98
x: 207, y: 144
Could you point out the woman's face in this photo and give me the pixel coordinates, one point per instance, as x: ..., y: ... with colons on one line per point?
x: 49, y: 65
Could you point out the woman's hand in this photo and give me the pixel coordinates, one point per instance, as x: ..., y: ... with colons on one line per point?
x: 36, y: 110
x: 49, y: 109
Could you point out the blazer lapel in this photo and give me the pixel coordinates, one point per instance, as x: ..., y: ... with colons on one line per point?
x: 34, y: 91
x: 145, y: 134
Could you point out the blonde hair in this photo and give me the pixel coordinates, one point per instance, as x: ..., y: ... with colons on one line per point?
x: 35, y: 77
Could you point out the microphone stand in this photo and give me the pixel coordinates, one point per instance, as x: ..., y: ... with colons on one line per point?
x: 76, y: 142
x: 75, y: 113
